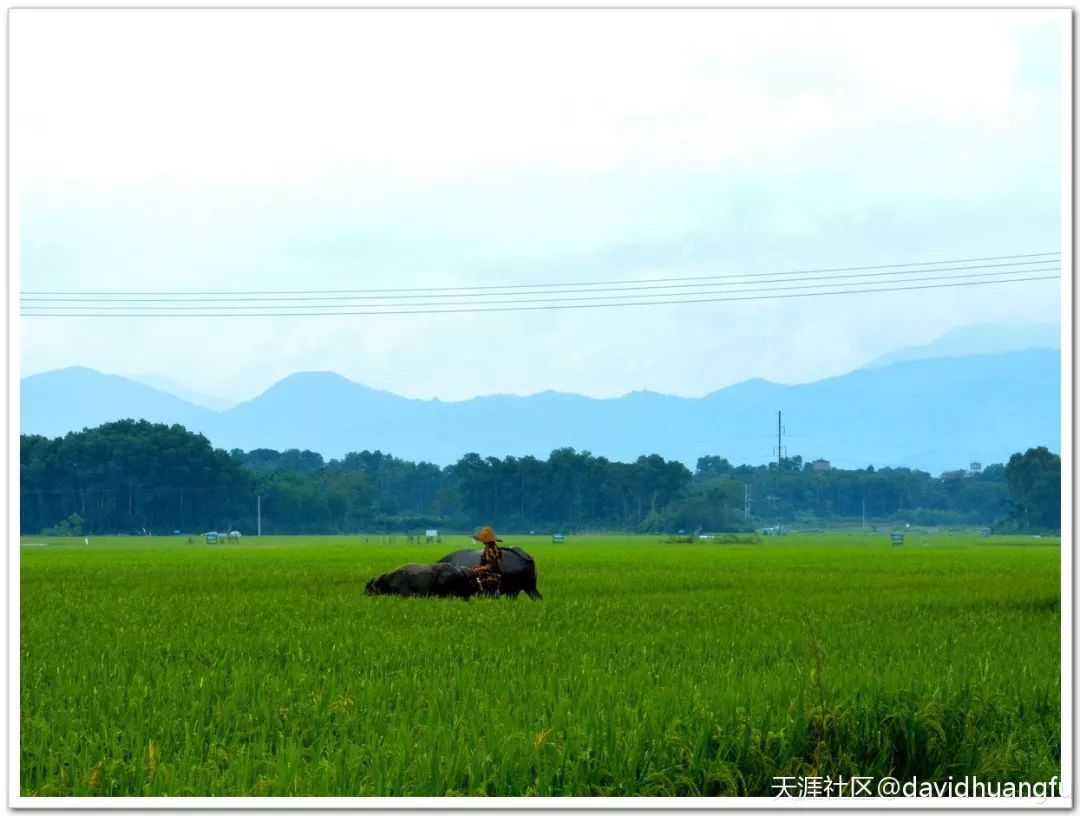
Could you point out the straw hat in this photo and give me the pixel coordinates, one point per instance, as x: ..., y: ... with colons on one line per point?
x: 486, y: 535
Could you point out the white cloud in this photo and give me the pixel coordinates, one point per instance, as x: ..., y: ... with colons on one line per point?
x: 290, y: 150
x: 183, y: 97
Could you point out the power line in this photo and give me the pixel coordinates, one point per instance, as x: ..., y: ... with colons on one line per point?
x: 548, y: 285
x: 514, y: 308
x: 282, y: 310
x: 200, y: 302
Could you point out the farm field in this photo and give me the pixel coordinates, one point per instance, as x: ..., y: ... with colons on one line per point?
x: 259, y: 668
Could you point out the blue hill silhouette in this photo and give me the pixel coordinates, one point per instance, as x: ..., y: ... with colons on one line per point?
x: 931, y: 414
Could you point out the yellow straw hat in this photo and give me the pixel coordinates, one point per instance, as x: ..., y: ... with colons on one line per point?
x: 486, y: 535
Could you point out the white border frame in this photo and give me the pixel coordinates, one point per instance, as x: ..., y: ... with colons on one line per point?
x: 1063, y: 801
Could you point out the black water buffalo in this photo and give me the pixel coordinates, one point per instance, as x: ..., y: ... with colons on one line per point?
x: 518, y: 569
x: 440, y: 580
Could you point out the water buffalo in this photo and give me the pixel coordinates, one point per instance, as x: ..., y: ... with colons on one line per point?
x: 440, y: 580
x: 518, y: 569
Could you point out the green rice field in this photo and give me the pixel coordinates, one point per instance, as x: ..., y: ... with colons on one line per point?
x: 155, y: 667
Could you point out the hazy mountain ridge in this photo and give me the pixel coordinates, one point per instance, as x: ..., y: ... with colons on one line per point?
x: 934, y: 414
x: 174, y: 388
x: 979, y: 338
x: 69, y: 399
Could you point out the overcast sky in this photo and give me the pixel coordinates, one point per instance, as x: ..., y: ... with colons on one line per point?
x: 210, y: 150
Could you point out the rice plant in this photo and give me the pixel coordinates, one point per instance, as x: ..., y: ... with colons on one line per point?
x: 153, y: 667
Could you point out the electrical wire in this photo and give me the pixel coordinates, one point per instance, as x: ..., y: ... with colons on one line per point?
x: 550, y: 285
x: 200, y: 301
x: 544, y: 299
x: 504, y: 307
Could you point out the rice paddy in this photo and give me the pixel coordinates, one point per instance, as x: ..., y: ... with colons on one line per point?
x: 154, y: 667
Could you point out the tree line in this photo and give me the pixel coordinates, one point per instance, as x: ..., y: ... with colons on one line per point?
x: 135, y: 476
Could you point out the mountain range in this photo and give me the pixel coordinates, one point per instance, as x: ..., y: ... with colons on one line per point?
x: 979, y: 338
x: 927, y: 411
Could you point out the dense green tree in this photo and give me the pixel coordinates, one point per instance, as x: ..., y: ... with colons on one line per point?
x: 131, y: 477
x: 135, y: 476
x: 709, y: 466
x: 298, y: 461
x: 1034, y: 480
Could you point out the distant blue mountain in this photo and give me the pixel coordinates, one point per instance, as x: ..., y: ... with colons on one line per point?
x: 980, y: 338
x: 71, y: 399
x: 187, y: 394
x: 934, y: 414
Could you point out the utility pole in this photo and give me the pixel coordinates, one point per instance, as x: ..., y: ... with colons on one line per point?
x: 746, y: 501
x: 778, y: 454
x: 258, y: 515
x: 864, y: 512
x: 779, y: 464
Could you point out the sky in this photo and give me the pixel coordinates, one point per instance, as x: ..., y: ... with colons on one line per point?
x: 172, y: 150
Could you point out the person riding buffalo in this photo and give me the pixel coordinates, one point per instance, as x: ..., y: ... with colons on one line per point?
x: 489, y: 571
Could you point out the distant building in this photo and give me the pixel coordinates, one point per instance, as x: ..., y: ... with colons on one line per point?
x: 976, y: 467
x: 820, y: 464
